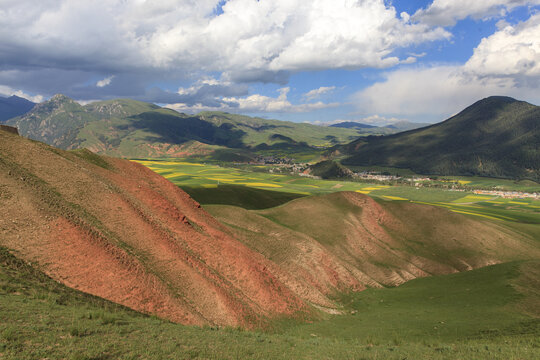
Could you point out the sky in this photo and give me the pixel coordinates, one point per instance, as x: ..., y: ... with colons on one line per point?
x: 320, y: 61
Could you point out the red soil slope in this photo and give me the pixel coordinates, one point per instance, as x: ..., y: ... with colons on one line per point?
x: 130, y: 236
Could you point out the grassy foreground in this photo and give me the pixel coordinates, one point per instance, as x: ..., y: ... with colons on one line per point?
x: 478, y: 314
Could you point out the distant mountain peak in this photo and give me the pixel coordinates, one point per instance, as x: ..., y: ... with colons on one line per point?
x: 14, y: 106
x: 499, y: 98
x: 15, y: 97
x: 60, y: 97
x: 352, y: 124
x: 119, y: 107
x: 493, y: 102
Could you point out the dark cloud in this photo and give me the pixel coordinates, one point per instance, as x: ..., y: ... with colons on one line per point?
x: 264, y: 76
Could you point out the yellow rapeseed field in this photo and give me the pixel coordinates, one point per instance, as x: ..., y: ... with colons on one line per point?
x: 258, y: 184
x: 518, y: 203
x: 173, y: 175
x: 394, y: 197
x: 476, y: 214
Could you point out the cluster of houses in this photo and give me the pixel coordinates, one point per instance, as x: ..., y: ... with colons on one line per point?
x: 272, y: 160
x: 374, y: 176
x: 287, y: 165
x: 509, y: 194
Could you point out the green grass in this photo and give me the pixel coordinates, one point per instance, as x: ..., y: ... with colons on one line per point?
x: 445, y: 308
x: 189, y: 174
x: 383, y: 169
x: 242, y: 196
x: 43, y: 319
x: 477, y: 182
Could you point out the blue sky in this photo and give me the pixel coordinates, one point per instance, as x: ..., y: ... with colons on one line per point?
x: 323, y: 61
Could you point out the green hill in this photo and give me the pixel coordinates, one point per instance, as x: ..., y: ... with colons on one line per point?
x: 329, y: 169
x: 129, y: 128
x: 496, y: 137
x: 242, y: 196
x: 259, y: 131
x: 353, y: 124
x: 381, y: 130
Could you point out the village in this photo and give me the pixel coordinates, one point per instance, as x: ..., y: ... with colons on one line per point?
x: 509, y: 194
x: 286, y: 165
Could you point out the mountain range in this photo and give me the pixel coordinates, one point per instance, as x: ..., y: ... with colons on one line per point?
x: 496, y: 137
x: 13, y: 106
x: 129, y: 128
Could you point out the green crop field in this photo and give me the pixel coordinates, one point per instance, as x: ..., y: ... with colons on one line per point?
x: 213, y: 184
x: 477, y: 182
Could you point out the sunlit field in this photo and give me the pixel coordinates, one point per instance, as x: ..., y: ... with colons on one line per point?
x: 206, y: 176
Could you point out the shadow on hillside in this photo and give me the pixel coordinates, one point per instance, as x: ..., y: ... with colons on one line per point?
x: 173, y: 129
x: 168, y: 128
x: 265, y: 127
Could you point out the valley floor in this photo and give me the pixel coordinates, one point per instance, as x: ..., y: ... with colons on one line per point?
x: 213, y: 184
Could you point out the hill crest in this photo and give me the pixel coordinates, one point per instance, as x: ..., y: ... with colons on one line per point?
x: 496, y: 136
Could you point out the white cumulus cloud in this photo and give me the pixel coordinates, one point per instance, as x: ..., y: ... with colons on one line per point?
x: 512, y: 51
x: 187, y: 36
x: 104, y: 82
x: 448, y: 12
x: 8, y: 91
x: 435, y: 93
x: 505, y: 63
x: 256, y: 103
x: 315, y: 93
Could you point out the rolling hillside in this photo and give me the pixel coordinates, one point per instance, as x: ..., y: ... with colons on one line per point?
x: 114, y: 229
x: 347, y: 240
x: 353, y: 124
x: 131, y: 128
x: 406, y: 125
x: 380, y: 130
x: 496, y: 137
